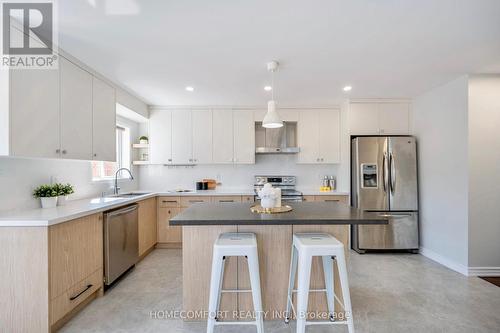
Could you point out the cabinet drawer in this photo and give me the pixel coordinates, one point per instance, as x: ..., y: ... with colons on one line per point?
x: 75, y: 295
x: 169, y: 202
x: 223, y: 199
x: 188, y: 201
x: 332, y: 198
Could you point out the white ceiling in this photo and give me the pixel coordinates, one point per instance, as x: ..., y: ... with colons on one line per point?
x: 383, y: 48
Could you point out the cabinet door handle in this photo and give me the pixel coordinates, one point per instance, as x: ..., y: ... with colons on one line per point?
x: 64, y: 151
x: 194, y: 201
x: 58, y: 151
x: 332, y: 200
x: 226, y: 200
x: 95, y: 155
x: 171, y: 201
x: 72, y: 298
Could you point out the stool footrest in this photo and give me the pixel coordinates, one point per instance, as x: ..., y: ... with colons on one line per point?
x: 313, y: 290
x: 236, y: 291
x: 325, y: 322
x: 222, y: 323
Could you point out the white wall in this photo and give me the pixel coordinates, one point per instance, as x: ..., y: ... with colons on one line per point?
x: 484, y: 175
x: 440, y: 125
x: 158, y: 177
x: 19, y: 176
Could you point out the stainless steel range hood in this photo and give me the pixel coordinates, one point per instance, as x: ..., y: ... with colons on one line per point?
x: 281, y: 140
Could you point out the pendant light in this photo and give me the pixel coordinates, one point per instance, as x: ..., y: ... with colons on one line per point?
x: 272, y: 119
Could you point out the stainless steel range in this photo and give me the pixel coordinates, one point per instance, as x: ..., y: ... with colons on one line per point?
x: 285, y: 183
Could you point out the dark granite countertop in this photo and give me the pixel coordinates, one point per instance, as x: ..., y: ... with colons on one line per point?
x: 302, y: 213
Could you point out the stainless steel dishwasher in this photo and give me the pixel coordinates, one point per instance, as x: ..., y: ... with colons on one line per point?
x: 121, y: 243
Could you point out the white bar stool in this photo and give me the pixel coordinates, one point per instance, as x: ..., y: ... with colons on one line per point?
x: 234, y: 245
x: 305, y: 246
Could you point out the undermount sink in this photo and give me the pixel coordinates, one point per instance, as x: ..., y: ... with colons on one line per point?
x: 131, y: 194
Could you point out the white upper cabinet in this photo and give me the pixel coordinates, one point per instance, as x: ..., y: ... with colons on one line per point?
x: 308, y: 136
x: 76, y: 111
x: 222, y: 133
x: 394, y: 118
x: 202, y: 136
x: 364, y: 118
x: 244, y: 137
x: 34, y: 113
x: 329, y: 136
x: 379, y: 118
x: 160, y: 136
x: 104, y: 121
x: 182, y: 137
x: 318, y: 136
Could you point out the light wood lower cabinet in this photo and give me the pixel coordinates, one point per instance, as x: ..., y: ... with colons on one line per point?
x: 75, y: 263
x: 50, y: 272
x: 168, y: 236
x: 332, y: 198
x: 147, y: 225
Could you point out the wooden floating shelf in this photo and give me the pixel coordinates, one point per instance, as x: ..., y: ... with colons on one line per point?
x: 140, y: 145
x: 140, y: 162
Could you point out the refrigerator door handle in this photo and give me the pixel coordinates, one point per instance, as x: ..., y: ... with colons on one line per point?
x: 395, y: 216
x: 392, y: 163
x: 384, y: 172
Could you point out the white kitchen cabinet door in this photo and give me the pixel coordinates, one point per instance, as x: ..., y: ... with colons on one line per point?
x: 104, y: 121
x: 364, y: 119
x: 182, y: 137
x: 394, y: 118
x: 160, y: 136
x: 244, y: 137
x: 308, y: 137
x: 34, y: 113
x: 76, y: 111
x: 329, y: 136
x: 202, y: 136
x: 222, y: 142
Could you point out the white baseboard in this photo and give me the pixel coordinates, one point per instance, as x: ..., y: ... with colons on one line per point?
x: 444, y: 261
x: 484, y: 271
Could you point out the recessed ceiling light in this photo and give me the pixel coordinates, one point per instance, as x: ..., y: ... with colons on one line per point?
x: 268, y: 88
x: 189, y: 88
x: 347, y: 88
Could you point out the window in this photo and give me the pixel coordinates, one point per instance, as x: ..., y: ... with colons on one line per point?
x: 102, y: 170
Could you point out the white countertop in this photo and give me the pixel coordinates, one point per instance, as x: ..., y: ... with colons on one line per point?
x: 74, y: 209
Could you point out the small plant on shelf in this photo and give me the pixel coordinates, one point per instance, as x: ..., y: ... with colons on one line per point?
x: 143, y: 140
x: 63, y: 190
x: 47, y: 194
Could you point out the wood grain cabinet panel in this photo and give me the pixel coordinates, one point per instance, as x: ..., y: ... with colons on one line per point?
x: 147, y: 225
x: 226, y: 199
x: 169, y: 202
x: 189, y: 200
x: 170, y: 236
x: 76, y: 251
x: 332, y: 198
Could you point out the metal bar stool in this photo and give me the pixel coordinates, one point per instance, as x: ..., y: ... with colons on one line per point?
x: 234, y: 245
x: 305, y: 246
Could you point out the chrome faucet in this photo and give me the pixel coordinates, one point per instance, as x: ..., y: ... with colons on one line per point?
x: 117, y: 189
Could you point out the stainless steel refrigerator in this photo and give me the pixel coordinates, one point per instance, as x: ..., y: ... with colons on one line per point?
x: 384, y: 180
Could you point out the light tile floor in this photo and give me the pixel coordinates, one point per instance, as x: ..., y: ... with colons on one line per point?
x: 390, y: 293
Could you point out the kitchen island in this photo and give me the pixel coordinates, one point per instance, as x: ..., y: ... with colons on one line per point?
x: 202, y: 223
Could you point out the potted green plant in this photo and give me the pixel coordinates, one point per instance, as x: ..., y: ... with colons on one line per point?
x: 143, y: 140
x: 63, y: 191
x: 47, y: 194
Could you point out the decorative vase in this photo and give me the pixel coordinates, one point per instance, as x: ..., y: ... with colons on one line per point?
x: 61, y: 200
x: 49, y: 202
x: 268, y: 202
x: 143, y: 142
